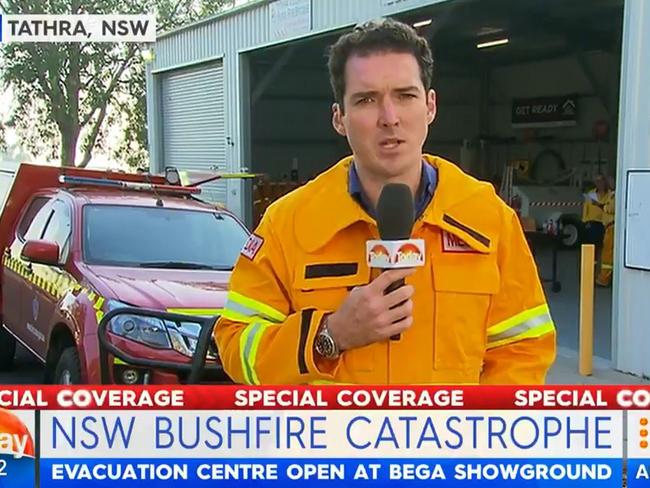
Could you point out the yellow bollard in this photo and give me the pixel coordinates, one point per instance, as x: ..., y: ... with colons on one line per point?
x: 587, y: 309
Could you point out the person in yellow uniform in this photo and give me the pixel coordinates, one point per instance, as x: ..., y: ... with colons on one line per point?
x: 598, y: 217
x: 303, y: 306
x: 592, y: 210
x: 605, y: 273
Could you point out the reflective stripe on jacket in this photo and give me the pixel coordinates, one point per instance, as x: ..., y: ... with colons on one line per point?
x: 480, y: 314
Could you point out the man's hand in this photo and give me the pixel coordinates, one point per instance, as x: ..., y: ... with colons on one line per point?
x: 367, y: 315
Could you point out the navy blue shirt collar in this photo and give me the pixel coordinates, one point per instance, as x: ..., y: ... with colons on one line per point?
x: 428, y: 183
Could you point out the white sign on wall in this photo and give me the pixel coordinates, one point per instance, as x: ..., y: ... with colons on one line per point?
x: 637, y: 228
x: 290, y: 18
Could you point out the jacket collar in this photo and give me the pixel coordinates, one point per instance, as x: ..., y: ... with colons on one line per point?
x: 458, y: 207
x: 461, y: 206
x: 328, y: 209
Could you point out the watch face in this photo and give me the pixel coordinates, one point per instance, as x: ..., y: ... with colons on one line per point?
x: 324, y: 345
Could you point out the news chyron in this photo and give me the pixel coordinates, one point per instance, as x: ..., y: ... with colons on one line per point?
x: 336, y: 436
x: 77, y: 28
x: 17, y: 448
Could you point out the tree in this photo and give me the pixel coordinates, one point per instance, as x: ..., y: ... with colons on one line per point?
x: 3, y: 139
x: 68, y: 94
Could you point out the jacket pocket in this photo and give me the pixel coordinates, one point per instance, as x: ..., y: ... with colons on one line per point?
x: 325, y: 286
x: 464, y: 286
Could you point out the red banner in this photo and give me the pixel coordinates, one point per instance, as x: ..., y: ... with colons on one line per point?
x: 325, y: 397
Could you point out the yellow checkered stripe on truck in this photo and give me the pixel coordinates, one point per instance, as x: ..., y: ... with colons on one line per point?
x: 55, y: 283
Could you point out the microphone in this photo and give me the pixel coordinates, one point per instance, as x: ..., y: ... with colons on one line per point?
x: 395, y: 218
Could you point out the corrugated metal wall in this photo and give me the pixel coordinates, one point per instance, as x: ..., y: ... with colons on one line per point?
x: 248, y: 28
x: 631, y: 306
x: 193, y: 118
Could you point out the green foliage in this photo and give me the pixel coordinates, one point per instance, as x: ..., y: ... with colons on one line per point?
x: 68, y: 95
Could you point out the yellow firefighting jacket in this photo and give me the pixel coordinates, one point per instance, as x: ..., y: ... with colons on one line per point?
x: 604, y: 214
x: 480, y: 315
x: 609, y: 209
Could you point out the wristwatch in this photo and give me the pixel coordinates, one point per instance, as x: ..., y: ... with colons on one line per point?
x: 324, y: 344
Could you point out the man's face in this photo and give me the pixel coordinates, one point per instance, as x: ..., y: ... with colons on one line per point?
x: 386, y: 112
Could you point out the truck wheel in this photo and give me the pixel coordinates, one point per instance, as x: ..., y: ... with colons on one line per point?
x: 68, y: 370
x: 7, y: 350
x: 571, y: 231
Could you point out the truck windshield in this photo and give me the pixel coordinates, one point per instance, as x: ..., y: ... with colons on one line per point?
x: 120, y: 235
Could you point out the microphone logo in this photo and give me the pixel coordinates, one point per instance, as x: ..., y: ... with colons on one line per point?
x: 408, y: 255
x: 379, y: 254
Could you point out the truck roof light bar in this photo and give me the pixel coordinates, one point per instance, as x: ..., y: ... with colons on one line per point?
x: 126, y: 185
x: 194, y: 178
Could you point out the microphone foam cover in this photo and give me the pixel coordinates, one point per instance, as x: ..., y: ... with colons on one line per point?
x: 395, y: 212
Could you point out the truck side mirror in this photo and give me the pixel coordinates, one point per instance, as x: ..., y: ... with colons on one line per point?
x: 41, y: 252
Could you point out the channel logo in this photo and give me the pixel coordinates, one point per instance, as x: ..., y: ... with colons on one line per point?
x: 379, y: 255
x: 17, y: 448
x: 384, y: 254
x: 15, y: 437
x: 409, y: 254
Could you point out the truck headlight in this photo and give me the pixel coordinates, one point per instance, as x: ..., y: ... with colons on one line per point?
x: 154, y: 332
x: 145, y: 330
x: 184, y: 336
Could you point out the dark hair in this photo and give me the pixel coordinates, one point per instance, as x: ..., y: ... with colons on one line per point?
x: 383, y: 35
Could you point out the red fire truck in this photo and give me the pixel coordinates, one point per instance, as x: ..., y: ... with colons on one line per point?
x: 81, y: 246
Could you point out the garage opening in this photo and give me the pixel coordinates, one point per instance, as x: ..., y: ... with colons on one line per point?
x: 528, y: 94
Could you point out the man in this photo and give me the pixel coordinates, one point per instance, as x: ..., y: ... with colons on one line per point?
x: 606, y: 204
x: 303, y: 306
x: 593, y: 214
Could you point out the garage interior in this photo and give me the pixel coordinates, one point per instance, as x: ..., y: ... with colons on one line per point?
x: 554, y: 48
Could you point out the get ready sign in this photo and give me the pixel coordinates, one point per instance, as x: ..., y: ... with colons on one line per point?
x: 545, y: 112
